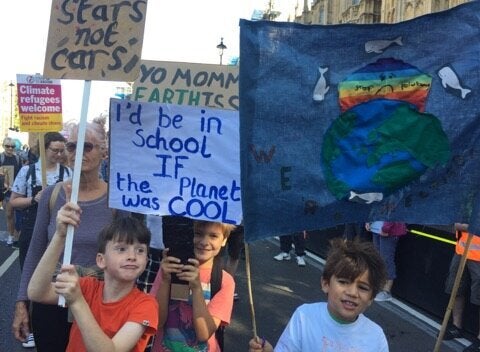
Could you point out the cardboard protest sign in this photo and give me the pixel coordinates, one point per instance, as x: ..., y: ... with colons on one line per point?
x: 100, y: 40
x: 175, y: 160
x: 39, y: 103
x: 184, y: 83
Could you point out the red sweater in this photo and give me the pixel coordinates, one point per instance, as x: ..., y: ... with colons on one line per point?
x: 394, y: 228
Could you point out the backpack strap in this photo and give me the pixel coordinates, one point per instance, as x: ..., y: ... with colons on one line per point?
x: 215, y: 286
x: 2, y: 158
x: 216, y: 276
x: 31, y: 173
x: 61, y: 173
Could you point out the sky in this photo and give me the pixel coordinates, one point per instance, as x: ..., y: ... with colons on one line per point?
x: 186, y: 31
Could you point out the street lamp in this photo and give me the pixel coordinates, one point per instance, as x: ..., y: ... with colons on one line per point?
x: 221, y: 47
x: 11, y: 85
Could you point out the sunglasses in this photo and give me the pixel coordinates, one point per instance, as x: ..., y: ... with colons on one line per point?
x: 87, y: 147
x: 9, y: 146
x: 56, y: 151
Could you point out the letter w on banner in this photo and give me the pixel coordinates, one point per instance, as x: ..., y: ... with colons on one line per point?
x: 349, y: 123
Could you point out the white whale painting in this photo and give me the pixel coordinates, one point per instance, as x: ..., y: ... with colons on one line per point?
x: 379, y: 46
x: 450, y: 79
x: 321, y: 88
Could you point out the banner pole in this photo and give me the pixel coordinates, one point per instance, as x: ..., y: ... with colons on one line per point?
x: 77, y: 170
x: 453, y: 295
x: 249, y: 285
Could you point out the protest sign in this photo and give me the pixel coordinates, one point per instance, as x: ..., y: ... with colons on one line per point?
x: 39, y: 103
x: 184, y: 83
x: 175, y: 160
x: 351, y: 123
x: 97, y: 40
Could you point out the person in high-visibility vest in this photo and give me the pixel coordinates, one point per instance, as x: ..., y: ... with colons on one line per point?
x: 470, y: 278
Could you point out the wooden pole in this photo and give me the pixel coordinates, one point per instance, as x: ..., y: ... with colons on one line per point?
x: 453, y: 295
x: 250, y: 294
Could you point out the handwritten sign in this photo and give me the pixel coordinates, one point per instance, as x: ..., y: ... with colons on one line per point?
x: 187, y: 84
x: 95, y: 40
x: 39, y: 103
x: 175, y: 160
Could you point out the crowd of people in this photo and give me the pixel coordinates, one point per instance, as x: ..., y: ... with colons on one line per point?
x: 126, y: 291
x: 121, y: 269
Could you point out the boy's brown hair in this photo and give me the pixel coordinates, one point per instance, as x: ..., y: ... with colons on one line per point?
x: 124, y: 229
x: 226, y: 228
x: 350, y: 259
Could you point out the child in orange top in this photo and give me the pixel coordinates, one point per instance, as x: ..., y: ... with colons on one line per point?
x: 192, y: 325
x: 111, y: 314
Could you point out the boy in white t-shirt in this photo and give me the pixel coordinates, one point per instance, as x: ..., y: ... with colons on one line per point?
x: 354, y: 273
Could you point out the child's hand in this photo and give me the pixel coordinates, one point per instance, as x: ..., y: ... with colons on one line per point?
x: 191, y: 274
x: 69, y: 214
x: 169, y: 266
x: 257, y: 344
x: 67, y: 284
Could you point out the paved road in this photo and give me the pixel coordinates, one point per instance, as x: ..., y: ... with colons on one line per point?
x: 9, y: 276
x: 278, y: 288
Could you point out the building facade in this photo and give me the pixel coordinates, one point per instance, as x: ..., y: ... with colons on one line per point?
x: 368, y: 11
x: 402, y: 10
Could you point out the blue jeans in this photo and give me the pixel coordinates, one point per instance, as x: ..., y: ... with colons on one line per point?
x: 387, y: 246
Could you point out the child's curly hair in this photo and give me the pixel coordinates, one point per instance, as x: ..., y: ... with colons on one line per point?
x: 350, y: 259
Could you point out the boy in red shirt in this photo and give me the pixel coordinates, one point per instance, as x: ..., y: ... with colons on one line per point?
x: 111, y: 314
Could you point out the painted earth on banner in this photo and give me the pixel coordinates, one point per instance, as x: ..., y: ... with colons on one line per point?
x: 352, y: 123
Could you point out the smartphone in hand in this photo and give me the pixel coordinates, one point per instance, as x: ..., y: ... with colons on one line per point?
x: 181, y: 247
x: 178, y: 238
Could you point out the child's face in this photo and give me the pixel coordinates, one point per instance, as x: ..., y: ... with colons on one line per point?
x: 208, y: 240
x: 123, y: 261
x: 347, y: 299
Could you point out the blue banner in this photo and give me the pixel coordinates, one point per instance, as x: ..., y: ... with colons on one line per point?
x: 352, y: 123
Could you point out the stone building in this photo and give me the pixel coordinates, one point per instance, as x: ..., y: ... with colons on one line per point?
x: 367, y: 11
x: 401, y: 10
